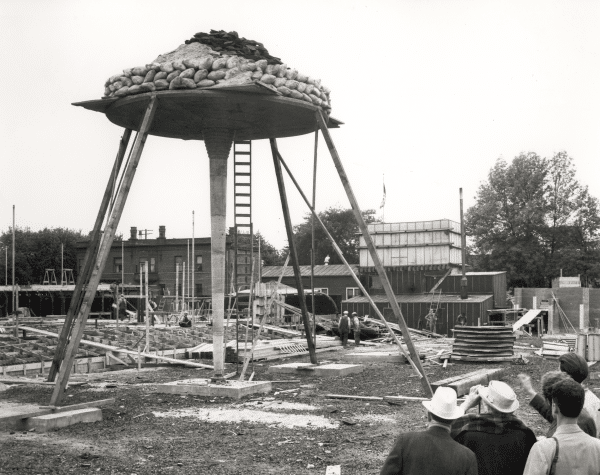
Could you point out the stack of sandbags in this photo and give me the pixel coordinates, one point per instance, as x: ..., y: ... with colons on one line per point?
x: 196, y: 65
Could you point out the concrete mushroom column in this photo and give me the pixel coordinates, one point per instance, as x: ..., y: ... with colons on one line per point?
x: 218, y: 144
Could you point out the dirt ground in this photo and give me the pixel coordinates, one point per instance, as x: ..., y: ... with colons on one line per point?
x: 284, y: 432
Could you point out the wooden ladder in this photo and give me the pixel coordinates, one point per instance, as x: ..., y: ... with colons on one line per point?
x: 243, y: 245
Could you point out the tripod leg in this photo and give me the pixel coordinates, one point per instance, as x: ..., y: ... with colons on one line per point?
x: 102, y: 254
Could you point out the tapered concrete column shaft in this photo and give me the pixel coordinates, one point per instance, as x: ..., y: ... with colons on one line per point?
x: 218, y: 144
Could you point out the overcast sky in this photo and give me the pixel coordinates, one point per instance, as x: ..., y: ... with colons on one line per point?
x: 431, y: 94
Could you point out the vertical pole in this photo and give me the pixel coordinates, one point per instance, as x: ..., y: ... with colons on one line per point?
x: 15, y: 299
x: 147, y: 308
x: 581, y: 317
x: 312, y: 245
x: 123, y: 266
x: 376, y: 261
x: 463, y: 281
x: 139, y: 311
x: 218, y: 145
x: 294, y: 256
x: 183, y: 288
x: 101, y: 255
x: 193, y: 268
x: 177, y: 287
x: 188, y: 268
x: 62, y: 271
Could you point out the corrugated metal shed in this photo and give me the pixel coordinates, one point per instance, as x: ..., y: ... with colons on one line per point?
x: 336, y: 270
x: 415, y: 307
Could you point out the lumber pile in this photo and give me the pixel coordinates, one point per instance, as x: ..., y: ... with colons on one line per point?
x: 284, y: 348
x: 483, y: 344
x: 554, y: 349
x: 219, y: 59
x: 464, y: 382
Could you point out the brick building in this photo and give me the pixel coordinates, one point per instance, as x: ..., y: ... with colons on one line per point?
x: 162, y: 256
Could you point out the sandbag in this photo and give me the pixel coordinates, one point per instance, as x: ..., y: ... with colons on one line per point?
x: 295, y: 94
x: 205, y: 62
x: 200, y: 75
x: 147, y: 86
x: 139, y: 71
x: 187, y: 83
x: 173, y: 75
x: 309, y: 88
x: 206, y: 83
x: 179, y: 65
x: 167, y: 67
x: 149, y: 76
x: 219, y: 64
x: 187, y: 74
x: 216, y: 75
x: 281, y: 71
x: 176, y: 83
x: 262, y: 64
x: 135, y: 89
x: 153, y: 67
x: 127, y: 72
x: 122, y: 91
x: 160, y: 75
x: 115, y: 78
x: 117, y: 85
x: 301, y: 77
x: 233, y: 62
x: 161, y: 84
x: 301, y: 87
x: 315, y: 100
x: 232, y: 72
x: 306, y: 98
x: 191, y: 63
x: 284, y: 90
x: 126, y: 81
x: 257, y: 74
x: 291, y: 74
x: 291, y: 84
x: 268, y: 78
x: 279, y: 82
x: 249, y: 66
x: 137, y: 80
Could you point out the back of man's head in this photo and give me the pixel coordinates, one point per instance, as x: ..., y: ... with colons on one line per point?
x: 569, y: 397
x: 575, y: 366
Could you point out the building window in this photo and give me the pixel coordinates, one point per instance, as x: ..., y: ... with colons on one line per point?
x: 198, y: 290
x: 323, y: 290
x: 199, y: 263
x: 151, y: 264
x: 178, y: 262
x: 352, y: 292
x: 118, y: 266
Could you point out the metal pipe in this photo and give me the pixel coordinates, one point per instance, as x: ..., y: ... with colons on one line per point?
x: 312, y: 244
x: 15, y: 299
x: 194, y: 266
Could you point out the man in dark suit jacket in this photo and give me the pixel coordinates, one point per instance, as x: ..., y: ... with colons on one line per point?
x: 432, y: 452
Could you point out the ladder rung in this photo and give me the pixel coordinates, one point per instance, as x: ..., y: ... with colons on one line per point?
x: 245, y: 142
x: 243, y: 204
x: 243, y: 194
x: 244, y: 225
x: 242, y: 215
x: 242, y: 174
x: 239, y: 152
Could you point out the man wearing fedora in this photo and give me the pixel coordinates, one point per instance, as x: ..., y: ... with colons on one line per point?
x: 432, y: 452
x: 501, y: 441
x: 571, y: 451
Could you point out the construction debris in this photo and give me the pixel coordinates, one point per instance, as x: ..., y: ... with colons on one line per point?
x: 463, y: 382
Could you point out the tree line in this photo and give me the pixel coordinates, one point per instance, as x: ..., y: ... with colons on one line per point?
x: 532, y: 218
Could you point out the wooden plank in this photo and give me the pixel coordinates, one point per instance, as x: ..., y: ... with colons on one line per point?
x: 383, y: 277
x: 4, y: 420
x: 103, y: 251
x: 353, y: 397
x: 483, y: 359
x: 463, y: 386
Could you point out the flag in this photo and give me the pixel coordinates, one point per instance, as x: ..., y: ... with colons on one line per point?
x: 383, y: 200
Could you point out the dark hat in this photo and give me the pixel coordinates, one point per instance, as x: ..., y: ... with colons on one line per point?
x: 575, y: 366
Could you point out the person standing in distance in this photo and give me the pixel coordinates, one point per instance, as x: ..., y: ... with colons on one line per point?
x: 356, y: 328
x: 344, y: 328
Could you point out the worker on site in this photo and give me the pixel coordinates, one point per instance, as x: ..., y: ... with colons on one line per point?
x: 344, y: 328
x: 185, y: 321
x: 122, y: 306
x: 356, y: 328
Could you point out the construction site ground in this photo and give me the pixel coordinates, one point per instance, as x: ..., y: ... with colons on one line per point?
x: 293, y: 430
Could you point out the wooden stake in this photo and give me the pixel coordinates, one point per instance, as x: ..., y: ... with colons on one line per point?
x: 371, y: 246
x: 103, y: 252
x: 294, y: 255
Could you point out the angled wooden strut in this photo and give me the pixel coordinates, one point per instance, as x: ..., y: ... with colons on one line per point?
x: 100, y: 257
x: 371, y: 246
x: 293, y: 254
x: 84, y: 275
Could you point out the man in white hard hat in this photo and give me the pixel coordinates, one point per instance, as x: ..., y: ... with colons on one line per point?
x: 501, y: 441
x: 432, y: 452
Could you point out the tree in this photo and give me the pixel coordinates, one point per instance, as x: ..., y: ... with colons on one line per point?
x: 341, y: 224
x: 532, y: 218
x: 269, y: 255
x: 36, y: 251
